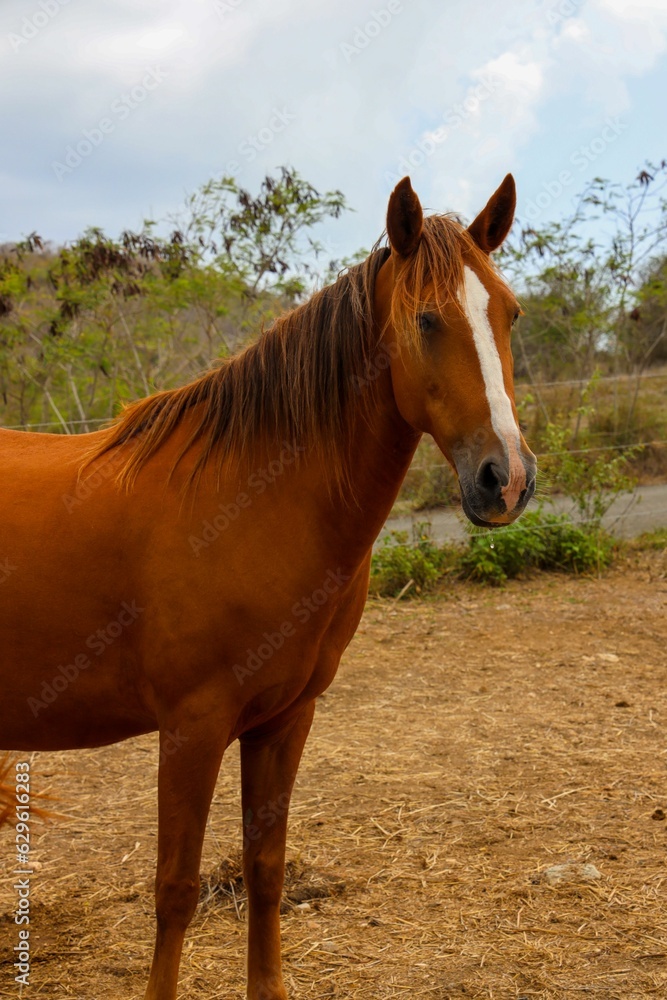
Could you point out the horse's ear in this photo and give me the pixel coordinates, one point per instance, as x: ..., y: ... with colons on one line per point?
x: 404, y: 219
x: 495, y: 220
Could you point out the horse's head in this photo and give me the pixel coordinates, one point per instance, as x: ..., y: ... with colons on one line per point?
x: 447, y: 316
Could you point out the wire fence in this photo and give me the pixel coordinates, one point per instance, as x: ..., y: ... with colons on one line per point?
x: 553, y: 454
x: 413, y: 468
x: 520, y: 386
x: 70, y: 426
x: 56, y: 423
x: 626, y: 377
x: 422, y: 517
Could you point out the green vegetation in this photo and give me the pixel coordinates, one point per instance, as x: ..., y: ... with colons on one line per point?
x: 651, y: 541
x: 397, y: 562
x: 87, y: 327
x: 594, y: 293
x: 538, y: 541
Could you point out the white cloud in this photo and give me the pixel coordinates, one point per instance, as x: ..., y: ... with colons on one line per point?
x: 523, y: 75
x: 635, y: 10
x: 364, y: 92
x: 521, y: 82
x: 606, y: 44
x: 575, y: 30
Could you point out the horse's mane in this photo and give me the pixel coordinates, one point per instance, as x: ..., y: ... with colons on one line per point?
x: 296, y: 383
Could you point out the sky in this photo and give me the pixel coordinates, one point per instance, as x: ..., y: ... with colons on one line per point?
x: 113, y: 112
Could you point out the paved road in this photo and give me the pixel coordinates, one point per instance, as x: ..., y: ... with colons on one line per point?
x: 628, y: 517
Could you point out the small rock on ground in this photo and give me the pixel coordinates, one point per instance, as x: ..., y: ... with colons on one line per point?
x: 571, y: 872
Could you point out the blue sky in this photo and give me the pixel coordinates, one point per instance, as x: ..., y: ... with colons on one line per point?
x: 158, y: 96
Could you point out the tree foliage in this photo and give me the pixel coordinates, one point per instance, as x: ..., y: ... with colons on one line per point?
x: 88, y: 326
x: 589, y: 281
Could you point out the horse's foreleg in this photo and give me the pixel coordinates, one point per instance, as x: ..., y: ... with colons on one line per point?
x: 189, y: 764
x: 268, y: 770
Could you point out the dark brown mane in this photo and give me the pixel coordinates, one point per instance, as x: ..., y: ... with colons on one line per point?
x: 296, y: 383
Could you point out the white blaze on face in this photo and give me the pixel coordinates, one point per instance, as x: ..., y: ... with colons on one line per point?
x: 475, y: 301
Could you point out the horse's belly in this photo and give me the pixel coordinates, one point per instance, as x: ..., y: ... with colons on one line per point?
x: 70, y: 664
x: 63, y: 709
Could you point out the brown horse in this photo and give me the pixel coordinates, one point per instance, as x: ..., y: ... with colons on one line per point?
x: 199, y: 567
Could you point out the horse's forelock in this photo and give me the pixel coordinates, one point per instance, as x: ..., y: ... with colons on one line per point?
x: 434, y: 274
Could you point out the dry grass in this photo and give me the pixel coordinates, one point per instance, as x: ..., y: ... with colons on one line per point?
x: 468, y: 743
x: 618, y: 419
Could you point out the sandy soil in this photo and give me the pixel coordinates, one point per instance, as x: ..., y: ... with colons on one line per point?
x: 469, y: 742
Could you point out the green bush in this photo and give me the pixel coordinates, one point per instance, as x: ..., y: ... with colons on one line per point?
x: 538, y: 541
x: 397, y: 562
x: 652, y: 541
x: 592, y: 484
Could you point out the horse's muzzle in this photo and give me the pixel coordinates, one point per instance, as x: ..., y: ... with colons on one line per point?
x: 494, y: 494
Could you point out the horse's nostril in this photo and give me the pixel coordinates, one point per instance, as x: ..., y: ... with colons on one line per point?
x: 488, y: 477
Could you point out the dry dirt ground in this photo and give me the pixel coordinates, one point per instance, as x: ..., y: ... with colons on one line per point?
x: 469, y: 742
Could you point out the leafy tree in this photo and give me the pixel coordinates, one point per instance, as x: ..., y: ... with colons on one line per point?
x: 260, y: 239
x: 586, y: 281
x: 101, y: 321
x: 645, y: 331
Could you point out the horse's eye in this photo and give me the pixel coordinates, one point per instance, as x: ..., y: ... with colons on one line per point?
x: 516, y: 316
x: 427, y: 322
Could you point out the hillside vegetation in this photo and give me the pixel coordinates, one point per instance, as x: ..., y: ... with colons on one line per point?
x: 89, y: 326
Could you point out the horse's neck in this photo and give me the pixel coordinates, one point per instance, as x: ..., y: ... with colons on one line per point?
x: 348, y: 516
x: 382, y: 448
